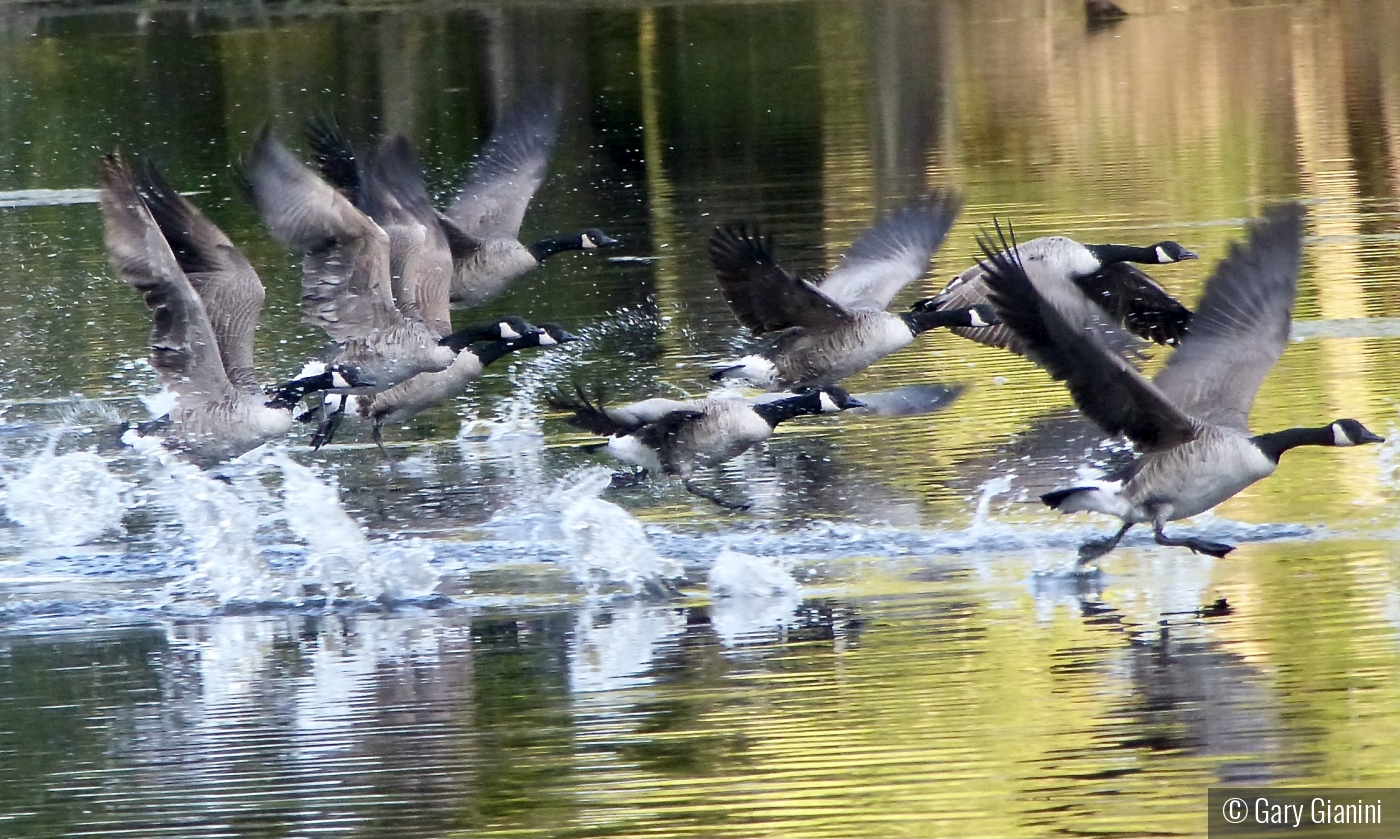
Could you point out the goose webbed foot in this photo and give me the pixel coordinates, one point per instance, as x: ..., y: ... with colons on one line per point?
x: 378, y: 435
x: 1199, y: 546
x: 1090, y: 551
x: 325, y: 432
x: 712, y: 497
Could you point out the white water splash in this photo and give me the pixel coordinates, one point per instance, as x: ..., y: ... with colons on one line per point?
x: 159, y: 403
x: 981, y: 516
x: 217, y: 525
x: 607, y: 546
x: 66, y: 500
x: 755, y: 597
x: 339, y: 558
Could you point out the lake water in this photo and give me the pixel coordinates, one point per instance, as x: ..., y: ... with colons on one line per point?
x: 890, y: 642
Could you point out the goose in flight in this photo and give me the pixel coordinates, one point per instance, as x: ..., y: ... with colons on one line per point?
x: 839, y: 327
x: 1190, y: 421
x: 205, y: 299
x: 1104, y: 274
x: 673, y: 437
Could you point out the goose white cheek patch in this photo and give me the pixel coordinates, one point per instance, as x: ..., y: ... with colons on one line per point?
x: 1339, y: 437
x: 588, y: 241
x: 547, y: 340
x: 507, y: 332
x: 338, y: 380
x: 1162, y: 256
x: 828, y: 404
x: 976, y: 318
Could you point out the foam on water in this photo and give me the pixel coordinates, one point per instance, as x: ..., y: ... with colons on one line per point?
x: 607, y: 547
x: 159, y: 403
x: 66, y: 500
x: 217, y: 529
x: 339, y: 559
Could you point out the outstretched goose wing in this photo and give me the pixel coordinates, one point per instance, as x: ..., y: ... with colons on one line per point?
x: 508, y: 171
x: 184, y: 350
x: 760, y: 293
x: 1061, y: 338
x: 1136, y: 300
x: 892, y: 254
x: 1241, y: 325
x: 226, y: 283
x: 422, y: 269
x: 345, y: 272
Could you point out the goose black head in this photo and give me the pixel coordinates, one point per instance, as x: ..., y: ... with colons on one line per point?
x: 1161, y: 253
x: 512, y: 326
x: 552, y: 334
x: 595, y: 238
x: 1169, y: 252
x: 590, y: 239
x: 825, y: 400
x: 834, y: 400
x: 508, y: 328
x: 1349, y: 432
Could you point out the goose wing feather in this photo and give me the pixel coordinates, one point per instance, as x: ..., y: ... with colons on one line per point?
x: 1241, y: 324
x: 590, y: 413
x: 184, y: 350
x: 509, y: 169
x: 222, y: 277
x: 760, y: 293
x: 1135, y: 300
x: 345, y: 271
x: 336, y: 157
x: 423, y: 275
x: 892, y: 254
x: 1060, y: 338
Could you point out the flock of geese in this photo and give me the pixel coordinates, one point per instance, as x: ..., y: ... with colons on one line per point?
x: 383, y: 269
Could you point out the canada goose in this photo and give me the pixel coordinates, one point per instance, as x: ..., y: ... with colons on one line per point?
x: 483, y: 221
x: 345, y: 271
x: 510, y: 333
x: 389, y: 187
x: 836, y: 329
x: 206, y: 299
x: 405, y: 400
x: 1102, y: 273
x: 678, y: 437
x: 1191, y: 420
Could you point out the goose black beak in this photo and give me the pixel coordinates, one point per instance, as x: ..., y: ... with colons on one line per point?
x: 606, y: 241
x: 566, y: 337
x: 852, y: 402
x: 1368, y: 437
x: 1185, y: 255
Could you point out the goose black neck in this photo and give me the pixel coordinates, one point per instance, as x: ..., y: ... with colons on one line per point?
x: 491, y: 351
x: 545, y: 248
x: 1109, y: 254
x: 1275, y: 443
x: 922, y: 321
x: 288, y: 395
x: 781, y: 410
